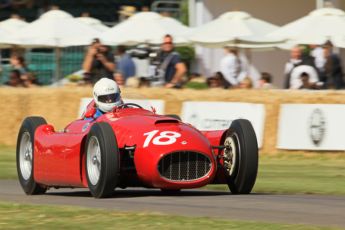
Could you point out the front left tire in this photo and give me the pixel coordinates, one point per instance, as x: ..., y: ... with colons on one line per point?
x: 241, y: 157
x: 25, y: 155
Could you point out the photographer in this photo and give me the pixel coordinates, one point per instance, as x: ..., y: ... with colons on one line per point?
x: 98, y: 62
x: 171, y: 68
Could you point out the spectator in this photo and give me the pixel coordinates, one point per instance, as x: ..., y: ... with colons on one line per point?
x: 125, y: 65
x: 26, y: 77
x: 98, y: 62
x: 14, y: 79
x: 265, y: 81
x: 231, y: 68
x: 216, y: 81
x: 296, y: 73
x: 306, y: 84
x: 333, y: 77
x: 18, y: 63
x: 145, y: 9
x: 295, y: 61
x: 171, y: 69
x: 126, y: 12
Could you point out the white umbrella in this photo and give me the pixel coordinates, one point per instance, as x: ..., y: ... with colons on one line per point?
x: 145, y: 27
x: 12, y: 24
x: 236, y: 29
x: 316, y: 28
x: 94, y: 23
x: 4, y: 38
x: 54, y: 29
x: 56, y: 14
x: 7, y: 28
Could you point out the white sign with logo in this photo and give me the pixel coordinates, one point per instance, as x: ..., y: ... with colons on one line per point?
x: 219, y: 115
x: 146, y: 104
x: 311, y: 127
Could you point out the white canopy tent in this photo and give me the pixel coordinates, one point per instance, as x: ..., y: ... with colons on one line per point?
x: 317, y: 27
x: 54, y: 29
x: 12, y: 25
x: 236, y: 28
x: 94, y: 23
x: 145, y: 27
x: 4, y: 36
x: 7, y: 28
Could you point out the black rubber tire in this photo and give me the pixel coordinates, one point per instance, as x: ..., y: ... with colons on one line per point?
x: 110, y: 160
x: 243, y: 178
x: 29, y: 125
x: 174, y: 116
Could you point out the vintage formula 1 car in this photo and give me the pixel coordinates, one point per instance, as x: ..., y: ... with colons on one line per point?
x: 131, y: 146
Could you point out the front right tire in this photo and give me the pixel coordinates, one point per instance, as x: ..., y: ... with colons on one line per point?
x: 102, y: 161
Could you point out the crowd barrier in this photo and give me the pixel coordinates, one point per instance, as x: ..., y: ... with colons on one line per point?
x: 59, y: 106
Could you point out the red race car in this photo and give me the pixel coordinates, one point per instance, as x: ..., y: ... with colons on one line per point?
x: 131, y: 146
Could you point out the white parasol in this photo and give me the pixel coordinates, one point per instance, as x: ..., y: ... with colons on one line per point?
x: 145, y: 27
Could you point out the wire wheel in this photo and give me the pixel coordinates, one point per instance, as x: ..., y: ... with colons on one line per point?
x: 25, y: 155
x: 94, y: 160
x: 231, y: 153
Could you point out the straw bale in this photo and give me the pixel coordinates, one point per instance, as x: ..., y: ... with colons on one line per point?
x: 59, y: 106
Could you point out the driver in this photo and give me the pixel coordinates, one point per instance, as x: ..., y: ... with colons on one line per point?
x: 106, y: 95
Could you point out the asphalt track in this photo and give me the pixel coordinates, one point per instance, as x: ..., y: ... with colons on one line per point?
x: 322, y: 210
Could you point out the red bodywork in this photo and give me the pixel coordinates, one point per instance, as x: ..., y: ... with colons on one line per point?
x: 60, y: 156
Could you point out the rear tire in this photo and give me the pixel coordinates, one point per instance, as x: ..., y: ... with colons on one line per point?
x: 102, y: 160
x: 242, y: 157
x: 25, y: 155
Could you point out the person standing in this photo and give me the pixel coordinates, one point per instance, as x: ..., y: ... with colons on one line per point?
x: 98, y: 62
x: 231, y: 68
x: 171, y: 67
x: 333, y: 75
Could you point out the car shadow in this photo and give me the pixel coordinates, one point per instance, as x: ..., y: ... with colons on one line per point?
x: 133, y: 193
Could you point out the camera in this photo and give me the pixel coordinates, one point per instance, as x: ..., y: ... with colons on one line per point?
x: 148, y: 61
x: 146, y: 52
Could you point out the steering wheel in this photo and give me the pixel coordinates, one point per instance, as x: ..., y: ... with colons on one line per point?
x: 128, y: 105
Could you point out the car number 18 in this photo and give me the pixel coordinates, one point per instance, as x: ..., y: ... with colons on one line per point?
x: 164, y: 138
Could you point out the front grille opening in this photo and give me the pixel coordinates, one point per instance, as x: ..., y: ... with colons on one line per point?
x: 184, y: 166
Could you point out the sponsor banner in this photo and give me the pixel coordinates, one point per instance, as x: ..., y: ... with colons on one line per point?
x: 219, y: 115
x: 311, y: 127
x: 146, y: 104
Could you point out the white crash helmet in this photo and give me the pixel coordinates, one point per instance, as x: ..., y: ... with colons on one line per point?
x: 106, y: 94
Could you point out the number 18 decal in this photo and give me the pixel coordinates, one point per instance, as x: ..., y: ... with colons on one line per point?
x: 164, y: 138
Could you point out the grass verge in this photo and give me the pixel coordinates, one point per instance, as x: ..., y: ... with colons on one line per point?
x: 8, y: 163
x: 18, y: 216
